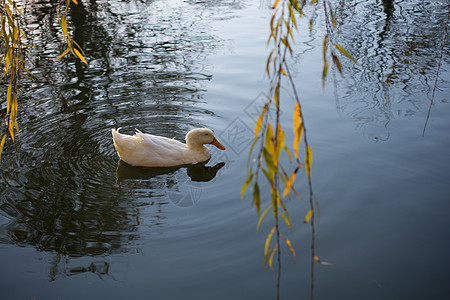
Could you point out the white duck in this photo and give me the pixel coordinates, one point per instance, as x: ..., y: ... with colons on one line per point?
x: 147, y: 150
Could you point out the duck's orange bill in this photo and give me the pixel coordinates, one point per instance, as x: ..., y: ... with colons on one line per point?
x: 217, y: 144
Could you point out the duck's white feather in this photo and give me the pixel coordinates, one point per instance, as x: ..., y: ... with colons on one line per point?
x: 148, y: 150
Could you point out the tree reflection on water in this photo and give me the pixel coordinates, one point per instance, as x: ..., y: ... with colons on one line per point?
x: 398, y: 54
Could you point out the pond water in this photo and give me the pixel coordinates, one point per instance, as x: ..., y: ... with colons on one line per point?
x: 78, y: 224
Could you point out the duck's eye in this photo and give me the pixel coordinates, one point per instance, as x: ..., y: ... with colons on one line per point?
x: 206, y: 133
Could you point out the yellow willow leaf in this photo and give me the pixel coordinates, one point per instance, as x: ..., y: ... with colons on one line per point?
x: 22, y: 33
x: 343, y: 51
x: 298, y: 128
x: 271, y: 257
x: 333, y: 19
x: 79, y: 47
x: 75, y: 1
x: 247, y: 182
x: 283, y: 175
x: 77, y: 53
x: 292, y: 15
x: 324, y: 73
x: 269, y: 145
x: 280, y: 139
x: 262, y: 217
x: 267, y: 173
x: 275, y: 4
x: 276, y: 95
x: 8, y: 97
x: 17, y: 127
x: 325, y: 48
x: 288, y: 243
x: 266, y: 246
x: 256, y: 198
x: 290, y: 182
x: 14, y: 107
x: 67, y: 6
x: 308, y: 216
x: 269, y: 59
x: 308, y: 160
x: 275, y: 198
x: 260, y: 120
x: 2, y: 144
x: 8, y: 60
x: 15, y: 33
x: 288, y: 153
x: 336, y: 62
x: 272, y: 19
x: 8, y: 10
x: 316, y: 258
x: 64, y: 25
x: 285, y: 211
x: 11, y: 130
x: 64, y: 53
x: 286, y: 220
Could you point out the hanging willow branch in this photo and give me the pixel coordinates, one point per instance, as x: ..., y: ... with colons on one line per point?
x: 270, y: 136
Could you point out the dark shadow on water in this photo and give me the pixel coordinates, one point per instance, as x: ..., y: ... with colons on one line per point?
x: 198, y: 172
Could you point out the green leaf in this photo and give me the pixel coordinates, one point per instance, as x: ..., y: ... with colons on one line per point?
x: 247, y: 182
x: 324, y: 73
x: 262, y: 217
x: 343, y: 51
x: 286, y: 220
x: 266, y: 246
x: 256, y: 197
x: 289, y: 221
x: 271, y: 256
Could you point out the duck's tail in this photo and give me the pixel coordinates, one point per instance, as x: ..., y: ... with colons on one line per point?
x: 116, y: 138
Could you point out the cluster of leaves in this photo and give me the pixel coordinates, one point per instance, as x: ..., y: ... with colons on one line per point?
x: 269, y: 134
x: 72, y: 45
x: 272, y: 142
x: 14, y: 61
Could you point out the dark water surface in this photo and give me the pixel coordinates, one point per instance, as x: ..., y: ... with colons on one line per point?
x: 77, y: 224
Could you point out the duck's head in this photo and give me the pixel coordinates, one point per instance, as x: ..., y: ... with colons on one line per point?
x: 200, y: 136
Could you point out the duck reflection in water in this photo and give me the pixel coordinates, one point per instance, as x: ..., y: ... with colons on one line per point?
x: 198, y: 172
